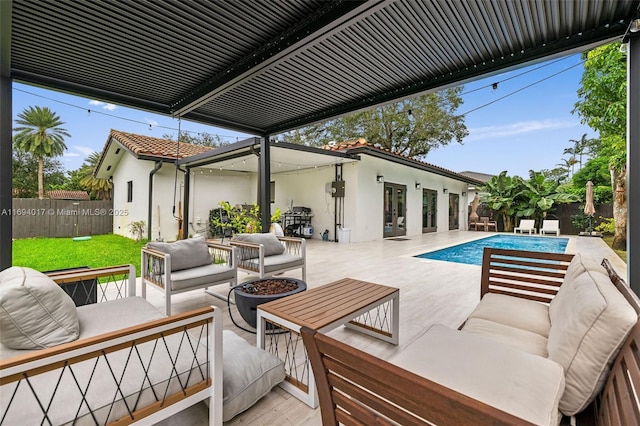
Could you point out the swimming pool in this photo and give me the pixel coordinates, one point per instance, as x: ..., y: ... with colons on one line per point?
x: 471, y: 252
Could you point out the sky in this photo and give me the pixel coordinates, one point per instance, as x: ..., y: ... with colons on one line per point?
x: 525, y: 124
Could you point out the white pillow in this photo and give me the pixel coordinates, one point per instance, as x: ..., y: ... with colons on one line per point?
x: 590, y: 320
x: 272, y: 245
x: 185, y: 254
x: 35, y: 313
x: 249, y: 373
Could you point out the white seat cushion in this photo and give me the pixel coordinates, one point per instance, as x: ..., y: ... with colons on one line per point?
x: 515, y: 312
x: 589, y: 321
x: 200, y: 276
x: 35, y: 313
x: 513, y: 381
x: 523, y: 340
x: 249, y: 373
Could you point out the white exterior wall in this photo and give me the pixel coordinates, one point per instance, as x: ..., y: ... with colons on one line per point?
x: 365, y: 198
x: 164, y: 222
x: 209, y: 188
x: 307, y: 188
x: 363, y: 201
x: 137, y: 171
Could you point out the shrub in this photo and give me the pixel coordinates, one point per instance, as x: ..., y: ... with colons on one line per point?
x: 607, y: 225
x: 138, y: 229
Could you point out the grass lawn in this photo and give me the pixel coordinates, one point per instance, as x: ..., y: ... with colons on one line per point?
x: 621, y: 253
x: 45, y: 254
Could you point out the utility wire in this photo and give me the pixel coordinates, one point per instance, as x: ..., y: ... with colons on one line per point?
x: 91, y: 111
x: 491, y: 85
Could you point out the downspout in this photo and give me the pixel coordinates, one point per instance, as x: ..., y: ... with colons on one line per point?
x: 185, y: 209
x: 150, y: 208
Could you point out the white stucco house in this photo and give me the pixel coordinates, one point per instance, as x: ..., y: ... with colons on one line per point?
x: 353, y: 185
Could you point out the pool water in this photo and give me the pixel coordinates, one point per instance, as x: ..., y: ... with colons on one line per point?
x: 471, y: 252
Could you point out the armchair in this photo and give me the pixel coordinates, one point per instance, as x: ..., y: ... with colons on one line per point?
x: 266, y: 255
x: 187, y: 265
x: 487, y: 224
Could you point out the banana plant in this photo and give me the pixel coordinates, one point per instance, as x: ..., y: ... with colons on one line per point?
x: 499, y: 194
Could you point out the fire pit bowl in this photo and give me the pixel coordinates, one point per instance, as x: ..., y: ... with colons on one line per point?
x: 262, y: 290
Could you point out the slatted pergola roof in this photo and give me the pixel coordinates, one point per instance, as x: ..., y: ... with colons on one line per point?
x: 264, y: 66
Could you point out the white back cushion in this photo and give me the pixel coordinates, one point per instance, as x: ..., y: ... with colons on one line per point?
x: 185, y: 254
x: 272, y: 244
x: 589, y: 321
x: 35, y: 313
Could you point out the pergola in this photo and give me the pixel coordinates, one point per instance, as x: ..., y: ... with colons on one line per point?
x: 265, y: 66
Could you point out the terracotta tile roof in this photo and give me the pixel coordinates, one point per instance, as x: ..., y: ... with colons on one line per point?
x: 59, y: 194
x: 361, y: 143
x: 142, y: 145
x: 483, y: 177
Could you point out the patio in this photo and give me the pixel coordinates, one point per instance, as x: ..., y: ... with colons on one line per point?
x: 447, y: 297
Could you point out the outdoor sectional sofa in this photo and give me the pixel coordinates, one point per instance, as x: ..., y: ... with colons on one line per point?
x: 118, y: 361
x: 552, y: 335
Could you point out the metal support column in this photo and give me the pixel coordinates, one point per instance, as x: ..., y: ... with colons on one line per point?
x: 264, y: 181
x: 6, y: 176
x: 6, y: 145
x: 633, y: 161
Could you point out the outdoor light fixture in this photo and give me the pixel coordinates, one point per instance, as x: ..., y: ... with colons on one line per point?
x: 380, y: 179
x: 635, y: 26
x: 418, y: 186
x: 464, y: 193
x: 445, y: 190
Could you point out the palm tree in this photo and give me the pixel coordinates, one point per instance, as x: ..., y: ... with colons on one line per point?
x: 39, y: 133
x: 569, y: 164
x: 99, y: 188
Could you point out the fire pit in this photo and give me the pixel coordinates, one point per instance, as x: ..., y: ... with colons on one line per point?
x: 263, y: 290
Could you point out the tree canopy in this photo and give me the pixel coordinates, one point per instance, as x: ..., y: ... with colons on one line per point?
x: 602, y: 105
x: 202, y: 139
x: 25, y: 182
x: 515, y: 197
x: 412, y: 127
x: 97, y: 188
x: 40, y: 133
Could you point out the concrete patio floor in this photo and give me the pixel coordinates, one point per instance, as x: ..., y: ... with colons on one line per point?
x: 431, y: 292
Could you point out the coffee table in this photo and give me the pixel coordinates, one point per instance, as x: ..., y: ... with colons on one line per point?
x: 370, y: 308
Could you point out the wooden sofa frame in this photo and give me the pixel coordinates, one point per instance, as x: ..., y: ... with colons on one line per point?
x: 204, y: 322
x: 357, y: 388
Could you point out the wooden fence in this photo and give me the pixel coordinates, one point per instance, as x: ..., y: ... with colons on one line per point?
x: 60, y: 218
x: 562, y: 212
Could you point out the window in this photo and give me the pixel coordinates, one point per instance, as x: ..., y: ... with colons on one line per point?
x: 129, y: 191
x: 273, y: 191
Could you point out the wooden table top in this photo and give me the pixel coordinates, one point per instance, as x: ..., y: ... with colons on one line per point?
x: 324, y: 305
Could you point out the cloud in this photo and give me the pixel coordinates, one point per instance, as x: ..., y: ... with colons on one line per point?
x: 518, y: 128
x: 84, y: 150
x: 151, y: 121
x: 103, y: 105
x: 68, y: 154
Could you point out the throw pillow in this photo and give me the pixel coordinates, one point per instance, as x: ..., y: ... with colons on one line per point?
x: 271, y: 243
x: 249, y: 373
x: 35, y: 313
x: 590, y: 320
x: 185, y: 254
